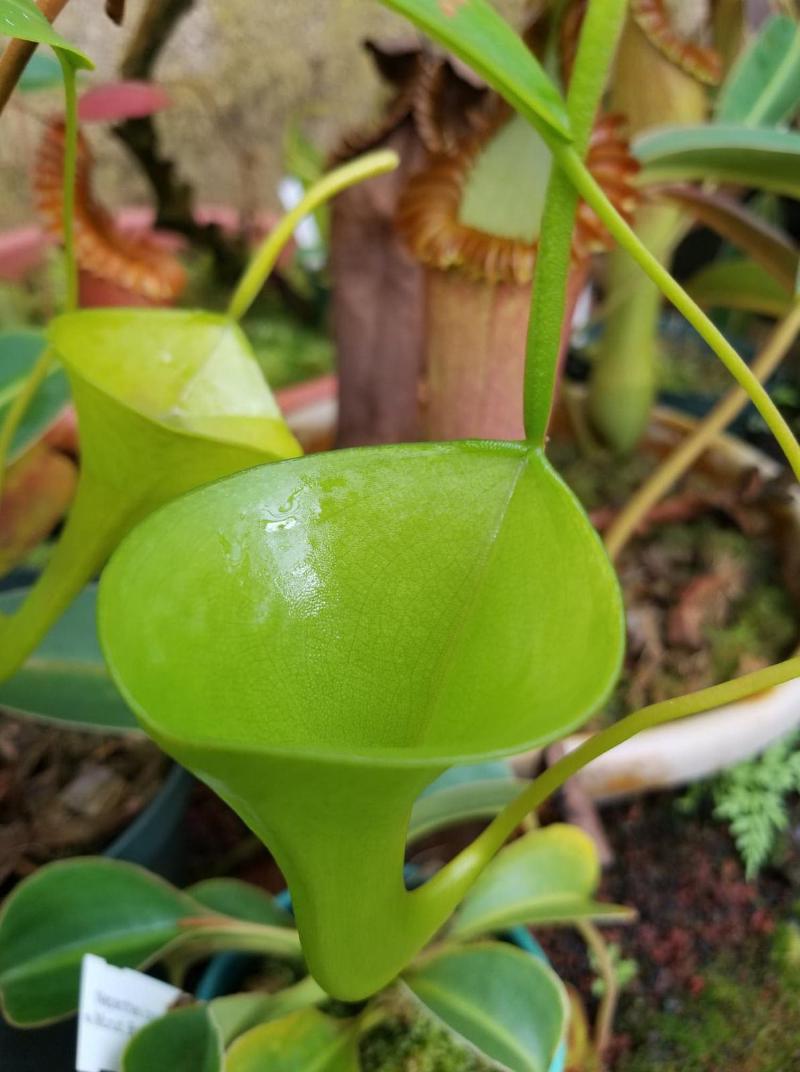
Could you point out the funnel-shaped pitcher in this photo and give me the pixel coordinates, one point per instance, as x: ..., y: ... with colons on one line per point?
x: 320, y: 639
x: 167, y: 400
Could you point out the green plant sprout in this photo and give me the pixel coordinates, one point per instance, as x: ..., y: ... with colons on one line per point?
x: 167, y: 400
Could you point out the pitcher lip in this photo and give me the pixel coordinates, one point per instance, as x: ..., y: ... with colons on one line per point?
x: 358, y: 757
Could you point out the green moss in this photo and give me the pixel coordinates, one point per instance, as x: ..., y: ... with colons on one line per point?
x: 405, y: 1039
x: 764, y: 628
x: 597, y: 479
x: 747, y: 1019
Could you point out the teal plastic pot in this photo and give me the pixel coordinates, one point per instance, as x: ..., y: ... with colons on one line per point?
x: 155, y: 839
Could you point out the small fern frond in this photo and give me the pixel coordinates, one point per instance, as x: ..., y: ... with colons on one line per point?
x: 753, y: 798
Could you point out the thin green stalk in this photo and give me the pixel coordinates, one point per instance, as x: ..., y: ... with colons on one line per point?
x: 266, y: 257
x: 588, y: 189
x: 19, y: 406
x: 598, y: 41
x: 678, y: 462
x: 548, y: 306
x: 458, y: 876
x: 70, y: 172
x: 204, y: 938
x: 604, y: 1024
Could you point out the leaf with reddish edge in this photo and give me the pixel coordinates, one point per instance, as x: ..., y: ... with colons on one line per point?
x: 115, y: 101
x: 768, y: 246
x: 739, y: 284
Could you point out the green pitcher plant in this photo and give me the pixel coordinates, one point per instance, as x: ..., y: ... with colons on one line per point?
x: 318, y: 639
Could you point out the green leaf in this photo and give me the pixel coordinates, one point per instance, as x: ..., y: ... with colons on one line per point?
x: 66, y: 678
x: 473, y: 31
x: 516, y: 149
x: 306, y: 1040
x: 747, y: 156
x: 18, y: 353
x: 185, y: 1040
x: 508, y: 1004
x: 238, y: 1013
x: 240, y: 900
x: 23, y: 19
x: 458, y: 605
x: 547, y: 876
x: 768, y: 246
x: 41, y: 72
x: 763, y: 87
x: 463, y: 794
x: 739, y: 284
x: 116, y: 910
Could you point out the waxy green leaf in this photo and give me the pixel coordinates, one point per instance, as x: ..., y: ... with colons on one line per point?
x: 509, y: 1005
x: 473, y: 31
x: 746, y: 156
x: 306, y: 1040
x: 113, y: 909
x: 368, y: 618
x: 763, y: 87
x: 66, y: 678
x: 769, y: 247
x: 23, y: 19
x: 18, y: 353
x: 238, y: 1013
x: 461, y: 795
x: 118, y: 911
x: 240, y: 900
x: 546, y: 877
x: 185, y: 1040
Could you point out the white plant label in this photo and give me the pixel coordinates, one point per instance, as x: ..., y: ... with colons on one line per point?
x: 114, y: 1004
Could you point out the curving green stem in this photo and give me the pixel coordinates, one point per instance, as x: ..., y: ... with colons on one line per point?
x: 453, y: 881
x: 266, y: 257
x: 598, y: 41
x: 586, y: 186
x: 70, y: 172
